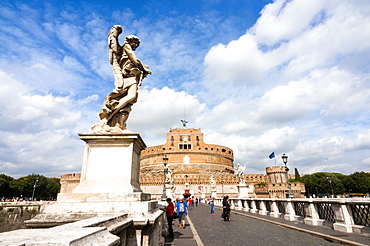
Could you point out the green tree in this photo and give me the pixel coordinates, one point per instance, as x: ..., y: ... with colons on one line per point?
x: 324, y: 183
x: 361, y: 182
x: 26, y: 185
x: 53, y: 187
x: 338, y: 183
x: 297, y: 175
x: 5, y: 190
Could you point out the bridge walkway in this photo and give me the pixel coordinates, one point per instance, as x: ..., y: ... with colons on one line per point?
x: 245, y: 229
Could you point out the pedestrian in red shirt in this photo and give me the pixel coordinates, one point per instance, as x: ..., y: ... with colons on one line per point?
x: 170, y: 214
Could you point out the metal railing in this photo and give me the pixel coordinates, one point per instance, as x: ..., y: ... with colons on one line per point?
x: 350, y: 215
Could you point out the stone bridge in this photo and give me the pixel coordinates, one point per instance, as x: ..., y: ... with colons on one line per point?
x: 253, y: 222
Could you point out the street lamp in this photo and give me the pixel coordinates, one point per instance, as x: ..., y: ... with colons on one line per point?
x: 331, y: 186
x: 34, y: 188
x: 285, y: 160
x: 165, y: 161
x: 222, y: 186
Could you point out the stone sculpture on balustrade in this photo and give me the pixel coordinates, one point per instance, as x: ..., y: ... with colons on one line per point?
x: 243, y: 189
x: 240, y: 172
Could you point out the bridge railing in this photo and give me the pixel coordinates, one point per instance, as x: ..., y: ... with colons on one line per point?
x: 342, y: 214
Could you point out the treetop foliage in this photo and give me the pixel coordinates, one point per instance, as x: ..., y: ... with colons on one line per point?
x: 337, y: 183
x: 23, y: 187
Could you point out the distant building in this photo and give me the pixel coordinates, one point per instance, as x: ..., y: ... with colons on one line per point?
x: 192, y: 163
x: 277, y: 184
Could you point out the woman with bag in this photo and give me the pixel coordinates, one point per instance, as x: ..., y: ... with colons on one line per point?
x: 226, y: 208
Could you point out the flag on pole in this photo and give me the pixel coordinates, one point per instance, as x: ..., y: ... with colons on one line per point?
x: 272, y: 155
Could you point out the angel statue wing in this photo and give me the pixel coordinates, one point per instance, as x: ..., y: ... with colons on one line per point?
x: 115, y: 50
x: 115, y: 54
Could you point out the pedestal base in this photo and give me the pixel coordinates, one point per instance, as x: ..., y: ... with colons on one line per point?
x: 243, y: 191
x: 214, y: 193
x: 169, y: 192
x: 109, y: 182
x: 111, y: 163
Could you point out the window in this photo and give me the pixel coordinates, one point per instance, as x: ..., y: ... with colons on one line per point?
x: 197, y: 138
x: 180, y: 138
x: 172, y: 138
x: 184, y: 146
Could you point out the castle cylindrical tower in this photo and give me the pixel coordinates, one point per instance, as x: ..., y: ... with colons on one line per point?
x: 276, y: 174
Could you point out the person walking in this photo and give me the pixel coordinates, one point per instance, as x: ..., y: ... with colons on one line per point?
x: 226, y: 208
x: 212, y: 204
x: 170, y: 214
x: 181, y: 211
x: 196, y: 201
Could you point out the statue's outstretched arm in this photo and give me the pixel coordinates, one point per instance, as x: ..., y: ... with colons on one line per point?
x: 131, y: 55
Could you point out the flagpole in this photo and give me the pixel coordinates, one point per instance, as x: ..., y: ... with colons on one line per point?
x: 275, y: 160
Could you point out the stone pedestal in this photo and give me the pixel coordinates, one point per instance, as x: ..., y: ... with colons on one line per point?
x: 109, y: 182
x: 214, y: 193
x: 169, y: 191
x: 111, y: 167
x: 243, y: 191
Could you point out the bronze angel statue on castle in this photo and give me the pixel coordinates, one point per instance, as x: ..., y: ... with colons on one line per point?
x: 128, y: 74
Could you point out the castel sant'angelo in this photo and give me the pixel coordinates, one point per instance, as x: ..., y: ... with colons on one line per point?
x: 195, y: 168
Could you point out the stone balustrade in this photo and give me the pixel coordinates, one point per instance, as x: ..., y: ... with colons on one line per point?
x: 342, y: 214
x: 113, y: 230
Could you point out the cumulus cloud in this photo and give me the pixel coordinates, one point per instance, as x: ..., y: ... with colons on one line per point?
x: 290, y: 37
x: 157, y: 110
x: 295, y: 82
x: 298, y: 56
x: 39, y: 132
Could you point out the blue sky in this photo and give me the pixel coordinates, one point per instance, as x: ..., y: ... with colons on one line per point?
x: 256, y: 76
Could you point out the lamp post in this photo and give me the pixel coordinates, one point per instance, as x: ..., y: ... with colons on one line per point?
x: 331, y: 186
x: 285, y: 160
x: 34, y: 188
x: 165, y: 161
x: 222, y: 187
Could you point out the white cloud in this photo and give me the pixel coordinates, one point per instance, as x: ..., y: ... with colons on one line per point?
x: 157, y: 110
x: 297, y: 82
x: 238, y: 62
x: 300, y: 53
x: 39, y: 132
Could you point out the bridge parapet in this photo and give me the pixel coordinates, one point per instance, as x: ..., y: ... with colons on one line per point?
x: 341, y: 214
x: 113, y: 230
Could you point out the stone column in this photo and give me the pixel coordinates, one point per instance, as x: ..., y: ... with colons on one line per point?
x: 312, y: 214
x: 262, y: 210
x: 289, y: 211
x: 253, y: 209
x: 343, y: 215
x: 274, y: 210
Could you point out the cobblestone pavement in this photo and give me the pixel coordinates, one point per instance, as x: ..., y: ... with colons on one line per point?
x: 183, y: 236
x: 242, y: 230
